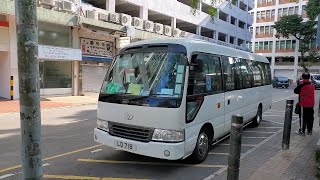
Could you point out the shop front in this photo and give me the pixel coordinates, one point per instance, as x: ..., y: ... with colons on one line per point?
x: 97, y: 52
x: 56, y: 72
x: 56, y: 59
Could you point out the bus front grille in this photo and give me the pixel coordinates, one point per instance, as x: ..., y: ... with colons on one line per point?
x: 130, y: 132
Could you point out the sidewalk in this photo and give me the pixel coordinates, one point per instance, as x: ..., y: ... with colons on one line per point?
x: 270, y: 162
x: 8, y: 106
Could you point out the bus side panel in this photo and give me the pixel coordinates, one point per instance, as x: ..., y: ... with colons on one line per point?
x: 212, y: 111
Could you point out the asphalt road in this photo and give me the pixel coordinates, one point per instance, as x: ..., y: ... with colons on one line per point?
x: 69, y: 151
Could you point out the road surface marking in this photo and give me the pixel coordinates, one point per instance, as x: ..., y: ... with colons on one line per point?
x: 271, y: 122
x: 71, y: 152
x: 214, y: 153
x: 247, y: 153
x: 95, y: 151
x: 84, y: 177
x: 19, y: 172
x: 54, y: 157
x: 249, y: 145
x: 250, y: 137
x: 150, y: 163
x: 259, y: 132
x: 281, y: 99
x: 6, y: 176
x: 269, y: 127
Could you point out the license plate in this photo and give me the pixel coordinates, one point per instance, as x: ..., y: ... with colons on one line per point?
x: 125, y: 145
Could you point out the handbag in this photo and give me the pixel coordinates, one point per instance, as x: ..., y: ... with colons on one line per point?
x: 297, y: 109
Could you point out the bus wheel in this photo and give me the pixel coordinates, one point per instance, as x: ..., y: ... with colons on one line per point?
x: 203, y: 145
x: 257, y: 119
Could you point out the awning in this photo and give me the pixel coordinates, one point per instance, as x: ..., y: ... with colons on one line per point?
x: 96, y: 58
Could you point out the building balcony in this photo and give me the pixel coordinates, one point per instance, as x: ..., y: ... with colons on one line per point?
x: 263, y: 51
x: 266, y: 4
x: 264, y: 35
x: 285, y: 1
x: 262, y: 20
x: 284, y: 63
x: 285, y: 50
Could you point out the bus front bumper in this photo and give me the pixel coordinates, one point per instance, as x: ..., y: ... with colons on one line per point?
x: 170, y: 151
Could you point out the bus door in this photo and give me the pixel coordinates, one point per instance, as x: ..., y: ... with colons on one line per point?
x: 205, y: 91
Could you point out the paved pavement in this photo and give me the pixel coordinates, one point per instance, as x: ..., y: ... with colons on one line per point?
x: 70, y: 153
x: 8, y: 106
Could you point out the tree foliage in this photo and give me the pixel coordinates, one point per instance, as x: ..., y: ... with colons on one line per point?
x: 304, y: 32
x: 313, y: 9
x: 212, y: 11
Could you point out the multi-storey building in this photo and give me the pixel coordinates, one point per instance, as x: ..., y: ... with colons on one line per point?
x: 282, y: 53
x: 78, y: 39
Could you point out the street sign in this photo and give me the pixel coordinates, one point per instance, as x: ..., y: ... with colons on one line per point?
x: 122, y: 41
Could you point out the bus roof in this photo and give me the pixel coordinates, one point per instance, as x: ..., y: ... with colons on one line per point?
x: 198, y: 45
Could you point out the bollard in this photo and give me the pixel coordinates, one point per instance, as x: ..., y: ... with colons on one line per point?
x: 235, y: 147
x: 287, y: 125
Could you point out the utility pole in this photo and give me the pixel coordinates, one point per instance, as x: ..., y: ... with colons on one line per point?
x: 29, y: 88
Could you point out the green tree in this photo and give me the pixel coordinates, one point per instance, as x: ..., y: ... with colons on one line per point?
x: 304, y: 32
x: 212, y: 11
x: 313, y: 9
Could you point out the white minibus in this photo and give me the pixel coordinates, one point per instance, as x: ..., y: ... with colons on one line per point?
x: 172, y: 98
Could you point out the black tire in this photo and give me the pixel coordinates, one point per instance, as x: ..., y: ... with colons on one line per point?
x: 257, y: 119
x: 202, y: 148
x: 287, y: 87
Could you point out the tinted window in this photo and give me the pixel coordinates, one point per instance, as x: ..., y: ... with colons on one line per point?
x: 247, y: 78
x: 268, y: 78
x: 237, y: 76
x: 228, y: 70
x: 257, y: 74
x: 206, y: 76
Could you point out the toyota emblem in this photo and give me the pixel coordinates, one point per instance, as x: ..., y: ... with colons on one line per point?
x: 128, y: 116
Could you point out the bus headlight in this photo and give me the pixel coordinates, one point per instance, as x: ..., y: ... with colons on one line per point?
x: 102, y: 124
x: 168, y: 135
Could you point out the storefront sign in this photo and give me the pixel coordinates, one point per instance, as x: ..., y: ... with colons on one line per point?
x: 59, y: 53
x: 122, y: 41
x: 96, y: 47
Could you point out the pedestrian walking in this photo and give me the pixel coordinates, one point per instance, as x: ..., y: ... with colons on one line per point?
x: 306, y: 102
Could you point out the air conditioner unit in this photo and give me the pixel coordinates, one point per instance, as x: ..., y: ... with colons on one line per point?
x: 47, y: 2
x: 167, y: 30
x: 184, y: 34
x: 67, y: 6
x: 206, y: 38
x: 90, y: 14
x: 211, y: 40
x: 137, y: 23
x: 158, y: 28
x: 103, y: 16
x: 125, y: 19
x: 149, y: 26
x: 176, y: 32
x: 114, y: 17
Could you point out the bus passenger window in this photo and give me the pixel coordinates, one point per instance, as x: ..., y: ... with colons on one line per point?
x: 228, y: 69
x: 206, y: 76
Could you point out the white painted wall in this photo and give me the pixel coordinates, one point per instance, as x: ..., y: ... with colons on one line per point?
x: 13, y: 56
x: 4, y: 75
x: 4, y: 39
